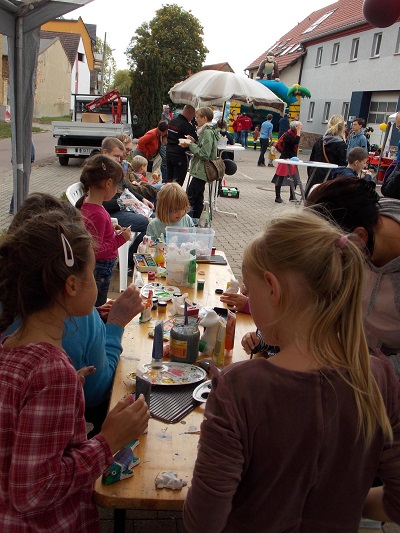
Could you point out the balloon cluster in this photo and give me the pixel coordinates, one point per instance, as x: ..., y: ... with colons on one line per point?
x: 381, y: 13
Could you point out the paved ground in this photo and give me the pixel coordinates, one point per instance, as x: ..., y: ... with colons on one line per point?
x: 254, y: 205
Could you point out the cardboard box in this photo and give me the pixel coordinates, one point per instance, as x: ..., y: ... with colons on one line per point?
x: 94, y: 117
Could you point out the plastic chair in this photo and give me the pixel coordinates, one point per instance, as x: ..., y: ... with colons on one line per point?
x: 123, y: 260
x: 74, y: 192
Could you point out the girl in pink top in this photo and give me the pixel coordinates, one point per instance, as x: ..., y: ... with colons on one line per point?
x: 100, y: 177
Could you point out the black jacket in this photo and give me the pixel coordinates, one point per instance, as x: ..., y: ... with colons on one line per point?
x: 178, y: 128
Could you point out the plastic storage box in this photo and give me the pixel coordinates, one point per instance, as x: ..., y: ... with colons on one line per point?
x: 199, y: 239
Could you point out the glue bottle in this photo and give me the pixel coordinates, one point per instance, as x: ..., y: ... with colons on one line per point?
x: 192, y: 268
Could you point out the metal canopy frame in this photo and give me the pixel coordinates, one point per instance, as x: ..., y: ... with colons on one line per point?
x: 20, y: 21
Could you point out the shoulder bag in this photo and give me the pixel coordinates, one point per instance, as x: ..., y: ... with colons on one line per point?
x: 215, y: 168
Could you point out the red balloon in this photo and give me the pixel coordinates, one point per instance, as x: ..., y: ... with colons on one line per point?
x: 381, y: 13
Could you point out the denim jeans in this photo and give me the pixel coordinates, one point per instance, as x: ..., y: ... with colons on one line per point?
x: 244, y: 136
x: 102, y: 275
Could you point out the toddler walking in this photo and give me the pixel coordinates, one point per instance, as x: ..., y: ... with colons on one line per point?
x: 338, y: 406
x: 272, y: 154
x: 256, y: 134
x: 171, y: 210
x: 48, y: 467
x: 100, y: 177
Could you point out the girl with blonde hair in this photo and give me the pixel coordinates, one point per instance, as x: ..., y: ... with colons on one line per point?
x: 306, y: 431
x: 331, y: 148
x: 171, y: 210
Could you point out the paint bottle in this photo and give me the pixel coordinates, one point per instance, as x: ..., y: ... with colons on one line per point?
x: 192, y: 268
x: 184, y: 340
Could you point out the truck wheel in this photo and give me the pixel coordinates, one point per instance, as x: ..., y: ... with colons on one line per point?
x: 63, y: 159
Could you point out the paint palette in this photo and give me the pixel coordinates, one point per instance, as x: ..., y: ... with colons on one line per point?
x: 201, y: 392
x: 173, y: 373
x: 160, y: 291
x: 144, y: 262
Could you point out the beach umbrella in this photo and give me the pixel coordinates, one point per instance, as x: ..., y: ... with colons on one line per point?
x: 213, y: 87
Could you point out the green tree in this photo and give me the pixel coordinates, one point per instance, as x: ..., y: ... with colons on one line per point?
x: 110, y: 65
x: 147, y: 91
x: 122, y: 81
x: 174, y: 38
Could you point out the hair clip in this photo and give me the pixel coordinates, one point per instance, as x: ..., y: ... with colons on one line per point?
x: 68, y: 253
x: 341, y: 242
x: 104, y: 166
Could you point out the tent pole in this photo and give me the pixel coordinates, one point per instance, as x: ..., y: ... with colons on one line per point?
x: 19, y: 118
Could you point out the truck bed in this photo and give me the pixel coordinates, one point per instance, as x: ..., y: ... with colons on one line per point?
x: 88, y: 129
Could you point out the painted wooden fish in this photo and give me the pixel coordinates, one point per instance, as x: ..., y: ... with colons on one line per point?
x: 123, y: 464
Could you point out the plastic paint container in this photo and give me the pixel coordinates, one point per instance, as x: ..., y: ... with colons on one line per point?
x: 213, y: 250
x: 154, y: 302
x: 200, y: 284
x: 162, y: 306
x: 184, y: 340
x: 151, y: 276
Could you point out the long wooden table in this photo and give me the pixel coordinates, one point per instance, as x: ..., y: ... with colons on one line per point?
x: 165, y: 446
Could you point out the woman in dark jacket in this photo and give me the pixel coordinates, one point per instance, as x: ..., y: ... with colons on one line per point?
x: 331, y: 148
x: 285, y: 172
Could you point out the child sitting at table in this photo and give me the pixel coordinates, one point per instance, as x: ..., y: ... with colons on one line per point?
x: 100, y: 178
x: 319, y: 419
x: 356, y: 161
x: 48, y: 467
x: 172, y: 208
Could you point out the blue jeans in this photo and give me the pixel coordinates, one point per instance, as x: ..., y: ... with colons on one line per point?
x: 244, y: 136
x: 102, y: 275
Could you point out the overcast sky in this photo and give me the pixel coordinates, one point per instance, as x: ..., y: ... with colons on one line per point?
x: 237, y: 35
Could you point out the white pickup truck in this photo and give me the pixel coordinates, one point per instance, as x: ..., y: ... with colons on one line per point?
x: 83, y: 136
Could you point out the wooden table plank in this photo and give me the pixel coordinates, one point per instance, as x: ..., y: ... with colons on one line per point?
x: 165, y: 446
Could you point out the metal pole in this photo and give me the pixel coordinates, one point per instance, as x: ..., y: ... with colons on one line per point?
x: 19, y: 193
x: 102, y: 65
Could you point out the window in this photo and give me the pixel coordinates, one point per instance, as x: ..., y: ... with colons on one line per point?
x: 311, y: 112
x: 81, y: 57
x: 335, y: 53
x: 318, y: 22
x: 327, y: 112
x: 318, y: 59
x: 354, y: 49
x: 376, y: 45
x: 345, y: 111
x: 379, y: 112
x: 397, y: 49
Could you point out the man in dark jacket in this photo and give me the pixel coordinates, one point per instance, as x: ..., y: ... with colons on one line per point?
x: 177, y: 160
x: 283, y: 125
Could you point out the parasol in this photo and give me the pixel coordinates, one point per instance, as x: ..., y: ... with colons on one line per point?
x: 213, y: 87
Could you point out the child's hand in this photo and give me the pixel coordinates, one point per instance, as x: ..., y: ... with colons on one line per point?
x: 125, y: 307
x: 250, y: 341
x: 85, y: 371
x: 126, y: 233
x: 149, y: 204
x: 125, y: 422
x: 190, y: 138
x: 237, y: 301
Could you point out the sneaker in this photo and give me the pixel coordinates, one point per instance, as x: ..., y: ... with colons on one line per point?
x: 279, y: 200
x: 261, y: 164
x: 270, y: 165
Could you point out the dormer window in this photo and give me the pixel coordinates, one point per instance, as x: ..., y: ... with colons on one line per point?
x: 318, y: 22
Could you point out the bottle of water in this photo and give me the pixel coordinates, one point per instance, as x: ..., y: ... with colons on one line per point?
x: 205, y: 219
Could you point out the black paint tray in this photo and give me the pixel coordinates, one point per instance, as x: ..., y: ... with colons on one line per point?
x: 172, y: 403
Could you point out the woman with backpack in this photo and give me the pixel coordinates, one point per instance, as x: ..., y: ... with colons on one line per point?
x: 284, y: 171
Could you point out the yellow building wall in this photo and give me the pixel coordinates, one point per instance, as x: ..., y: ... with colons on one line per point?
x: 53, y: 83
x: 73, y: 26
